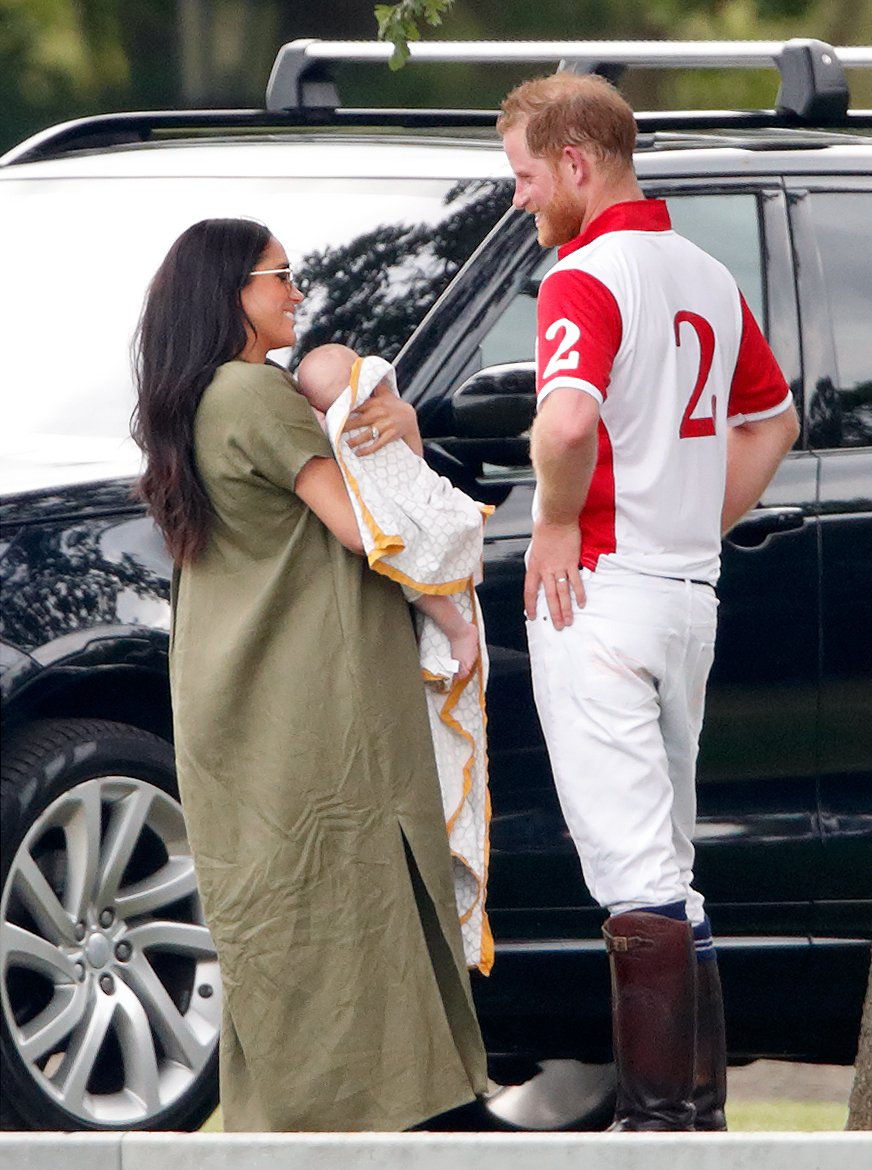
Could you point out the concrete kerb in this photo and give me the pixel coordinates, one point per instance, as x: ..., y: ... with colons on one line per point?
x: 423, y: 1151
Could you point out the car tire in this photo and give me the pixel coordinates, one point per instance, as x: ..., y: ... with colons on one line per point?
x: 111, y: 999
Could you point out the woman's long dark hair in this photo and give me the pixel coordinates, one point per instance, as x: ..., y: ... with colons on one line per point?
x: 192, y: 322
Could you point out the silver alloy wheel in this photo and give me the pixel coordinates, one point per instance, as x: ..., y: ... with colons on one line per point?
x: 110, y: 985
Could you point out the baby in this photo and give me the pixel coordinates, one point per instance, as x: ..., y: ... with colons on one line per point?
x: 323, y: 375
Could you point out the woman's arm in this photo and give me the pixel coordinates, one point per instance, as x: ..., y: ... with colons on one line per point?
x: 393, y: 419
x: 320, y: 485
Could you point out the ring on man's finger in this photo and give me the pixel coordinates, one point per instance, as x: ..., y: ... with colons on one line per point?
x: 375, y: 433
x: 560, y: 580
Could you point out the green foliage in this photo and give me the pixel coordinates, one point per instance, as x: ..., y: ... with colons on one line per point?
x: 398, y: 23
x: 63, y: 47
x: 60, y: 59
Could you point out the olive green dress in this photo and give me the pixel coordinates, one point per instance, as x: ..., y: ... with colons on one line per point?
x: 310, y: 790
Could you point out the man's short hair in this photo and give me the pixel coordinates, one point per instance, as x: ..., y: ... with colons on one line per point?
x: 570, y: 109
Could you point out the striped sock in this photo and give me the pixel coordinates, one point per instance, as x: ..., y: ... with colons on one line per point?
x: 703, y: 941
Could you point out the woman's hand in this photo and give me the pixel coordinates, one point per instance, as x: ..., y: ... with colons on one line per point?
x: 384, y: 418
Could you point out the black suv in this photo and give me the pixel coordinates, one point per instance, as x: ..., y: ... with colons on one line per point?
x: 400, y: 225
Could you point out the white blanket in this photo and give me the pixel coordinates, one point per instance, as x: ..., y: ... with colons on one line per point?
x: 421, y: 531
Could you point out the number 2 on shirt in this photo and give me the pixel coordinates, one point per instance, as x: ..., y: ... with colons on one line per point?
x: 565, y: 357
x: 695, y: 428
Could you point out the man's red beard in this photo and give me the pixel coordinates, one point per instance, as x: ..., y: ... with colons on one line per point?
x: 558, y: 222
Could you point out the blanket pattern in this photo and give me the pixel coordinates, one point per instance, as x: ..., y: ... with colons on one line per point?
x: 421, y: 531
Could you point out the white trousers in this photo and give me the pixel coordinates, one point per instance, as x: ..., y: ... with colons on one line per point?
x: 620, y: 695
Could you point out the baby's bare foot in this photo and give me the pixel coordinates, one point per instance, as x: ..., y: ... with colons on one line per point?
x: 464, y: 647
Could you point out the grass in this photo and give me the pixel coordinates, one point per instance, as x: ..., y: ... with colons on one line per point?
x: 742, y: 1116
x: 786, y: 1116
x: 215, y: 1124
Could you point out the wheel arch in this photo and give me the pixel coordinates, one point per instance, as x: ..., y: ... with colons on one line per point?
x: 132, y: 689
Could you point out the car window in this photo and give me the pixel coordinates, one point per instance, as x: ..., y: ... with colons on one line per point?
x: 513, y: 336
x: 726, y: 225
x: 843, y: 226
x: 372, y: 254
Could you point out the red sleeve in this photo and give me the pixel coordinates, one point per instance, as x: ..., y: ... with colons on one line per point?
x: 579, y: 333
x: 758, y: 386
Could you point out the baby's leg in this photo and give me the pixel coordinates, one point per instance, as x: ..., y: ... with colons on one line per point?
x: 462, y: 634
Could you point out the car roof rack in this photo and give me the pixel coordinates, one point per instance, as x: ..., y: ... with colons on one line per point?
x: 103, y: 131
x: 813, y: 85
x: 301, y: 92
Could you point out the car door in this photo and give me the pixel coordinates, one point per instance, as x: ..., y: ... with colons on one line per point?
x: 831, y: 225
x: 545, y: 924
x: 758, y: 847
x: 831, y: 218
x: 757, y: 767
x: 488, y: 318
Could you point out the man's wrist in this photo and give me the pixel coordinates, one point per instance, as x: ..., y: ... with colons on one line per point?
x: 554, y: 523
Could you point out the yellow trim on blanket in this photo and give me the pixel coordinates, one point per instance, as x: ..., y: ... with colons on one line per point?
x: 386, y: 545
x: 445, y: 714
x: 402, y: 578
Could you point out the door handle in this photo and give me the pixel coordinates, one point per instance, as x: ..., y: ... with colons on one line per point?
x: 759, y: 525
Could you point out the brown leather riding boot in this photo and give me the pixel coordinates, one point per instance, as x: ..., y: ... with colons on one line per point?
x: 653, y: 969
x: 710, y: 1073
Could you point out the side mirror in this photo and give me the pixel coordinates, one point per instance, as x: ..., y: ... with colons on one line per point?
x: 498, y: 402
x: 480, y: 437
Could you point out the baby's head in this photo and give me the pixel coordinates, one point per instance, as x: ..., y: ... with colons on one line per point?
x: 324, y: 373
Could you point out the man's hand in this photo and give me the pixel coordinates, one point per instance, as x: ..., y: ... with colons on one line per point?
x: 553, y: 561
x: 563, y: 446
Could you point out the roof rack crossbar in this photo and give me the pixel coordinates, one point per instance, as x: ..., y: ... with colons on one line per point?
x: 301, y: 91
x: 812, y: 79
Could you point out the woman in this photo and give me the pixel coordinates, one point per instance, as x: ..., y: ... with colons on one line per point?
x: 304, y: 755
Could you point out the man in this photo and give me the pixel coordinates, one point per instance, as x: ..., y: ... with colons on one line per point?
x: 662, y: 416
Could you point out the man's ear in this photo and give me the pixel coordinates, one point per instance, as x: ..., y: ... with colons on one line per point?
x: 575, y: 164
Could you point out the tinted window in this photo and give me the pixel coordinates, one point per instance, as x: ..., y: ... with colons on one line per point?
x: 513, y: 336
x: 728, y: 228
x: 843, y: 225
x: 372, y: 289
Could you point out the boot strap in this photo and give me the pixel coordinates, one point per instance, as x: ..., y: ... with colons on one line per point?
x: 624, y: 942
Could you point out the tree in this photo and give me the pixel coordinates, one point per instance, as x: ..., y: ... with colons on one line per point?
x: 398, y: 23
x: 860, y: 1105
x: 836, y: 21
x: 63, y: 59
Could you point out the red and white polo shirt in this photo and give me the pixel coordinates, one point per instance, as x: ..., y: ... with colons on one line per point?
x: 658, y: 333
